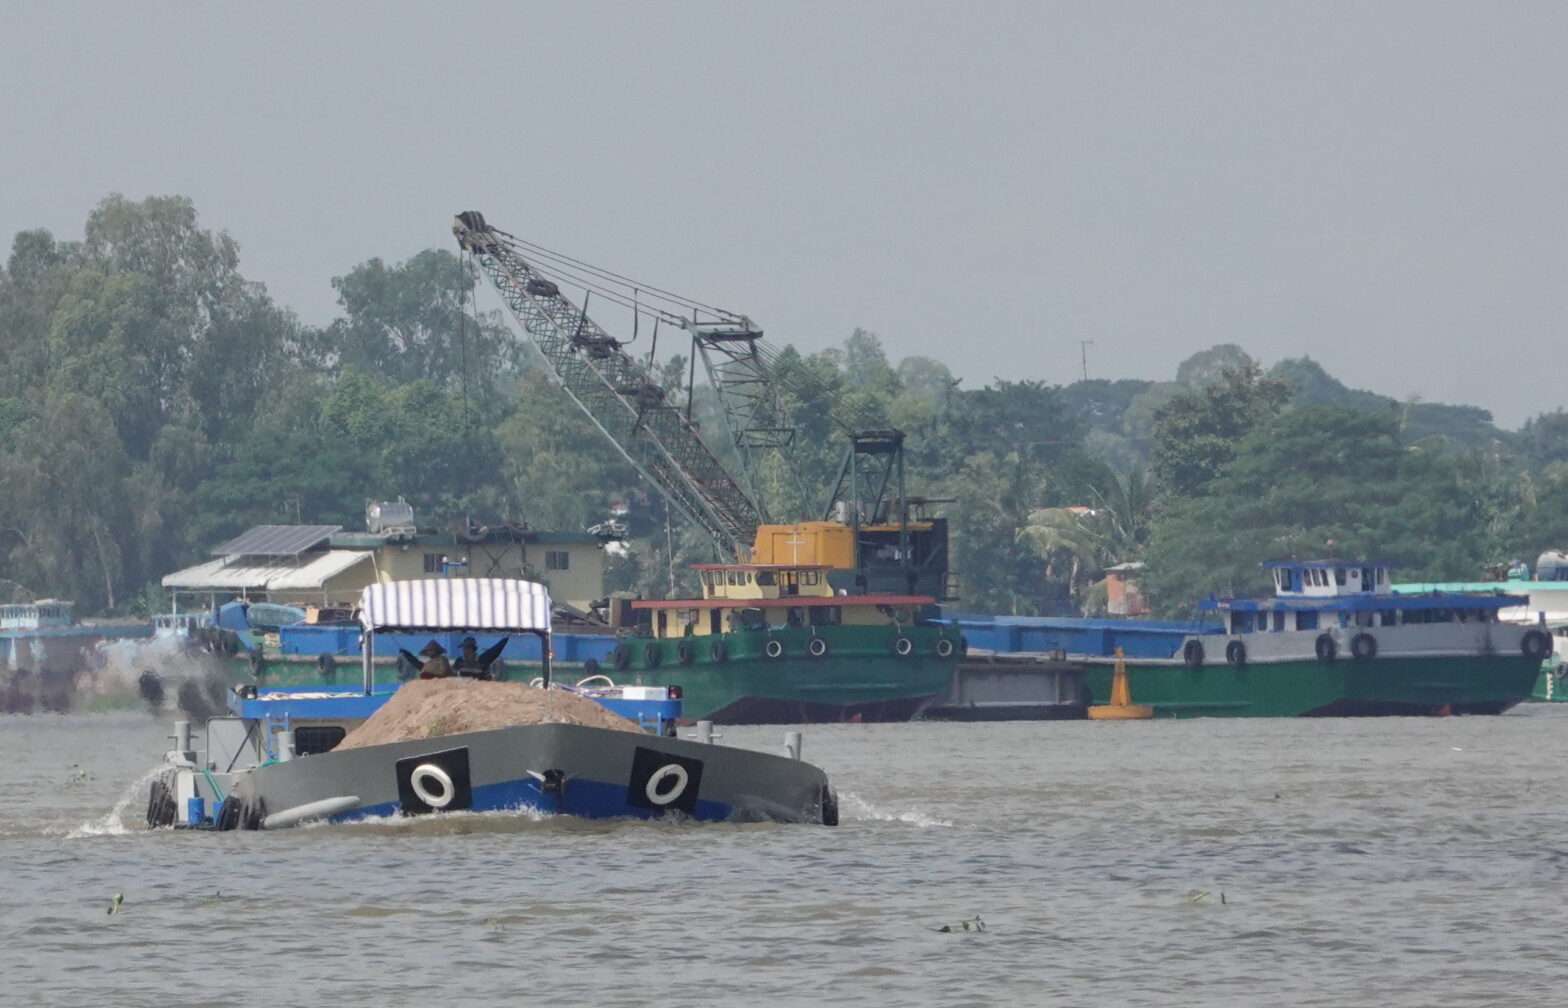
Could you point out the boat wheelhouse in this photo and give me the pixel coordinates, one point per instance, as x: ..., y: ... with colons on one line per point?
x: 776, y: 644
x: 1330, y: 595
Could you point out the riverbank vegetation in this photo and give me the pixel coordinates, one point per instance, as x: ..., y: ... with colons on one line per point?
x: 156, y: 400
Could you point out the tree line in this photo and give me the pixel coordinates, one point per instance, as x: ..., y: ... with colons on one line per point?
x: 157, y: 401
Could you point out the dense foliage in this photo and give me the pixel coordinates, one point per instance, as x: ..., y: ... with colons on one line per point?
x: 155, y: 401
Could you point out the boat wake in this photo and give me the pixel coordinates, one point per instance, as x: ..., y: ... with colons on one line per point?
x: 113, y: 822
x: 854, y: 808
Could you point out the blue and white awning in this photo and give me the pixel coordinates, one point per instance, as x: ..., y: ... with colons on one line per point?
x: 436, y: 604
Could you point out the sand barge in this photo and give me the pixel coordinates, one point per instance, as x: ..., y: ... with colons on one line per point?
x: 425, y: 708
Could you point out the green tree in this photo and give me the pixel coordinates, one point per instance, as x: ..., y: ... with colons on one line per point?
x: 1196, y: 433
x: 416, y: 320
x: 1328, y: 482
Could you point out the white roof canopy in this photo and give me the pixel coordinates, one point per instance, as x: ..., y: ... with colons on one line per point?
x: 229, y: 576
x: 434, y: 604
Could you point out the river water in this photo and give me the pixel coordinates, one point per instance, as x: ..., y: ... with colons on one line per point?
x: 1390, y: 861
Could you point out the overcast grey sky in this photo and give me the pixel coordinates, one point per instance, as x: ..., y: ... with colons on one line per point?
x: 1377, y: 185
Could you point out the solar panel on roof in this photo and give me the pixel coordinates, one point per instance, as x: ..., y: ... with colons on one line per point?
x: 276, y: 540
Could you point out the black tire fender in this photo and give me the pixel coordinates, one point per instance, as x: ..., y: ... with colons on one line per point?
x: 1536, y: 644
x: 718, y: 651
x: 817, y: 647
x: 1363, y: 647
x: 1325, y: 647
x: 650, y: 654
x: 685, y: 653
x: 1192, y: 654
x: 943, y: 647
x: 774, y: 648
x: 903, y: 646
x: 1236, y: 653
x: 621, y: 657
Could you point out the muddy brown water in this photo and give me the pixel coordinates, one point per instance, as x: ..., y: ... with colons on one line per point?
x: 1391, y: 861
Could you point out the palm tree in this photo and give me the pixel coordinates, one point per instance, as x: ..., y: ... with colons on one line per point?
x: 1090, y: 539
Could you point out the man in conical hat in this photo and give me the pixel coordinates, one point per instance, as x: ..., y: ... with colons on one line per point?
x: 435, y: 665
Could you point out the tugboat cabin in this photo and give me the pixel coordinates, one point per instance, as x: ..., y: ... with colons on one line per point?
x: 761, y: 596
x: 1327, y: 594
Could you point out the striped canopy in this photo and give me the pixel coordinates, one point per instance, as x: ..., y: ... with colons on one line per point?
x: 435, y: 604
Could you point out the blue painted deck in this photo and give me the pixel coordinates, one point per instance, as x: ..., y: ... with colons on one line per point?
x: 1136, y: 637
x: 343, y: 639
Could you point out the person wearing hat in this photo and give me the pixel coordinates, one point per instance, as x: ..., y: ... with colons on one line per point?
x: 435, y: 665
x: 469, y: 662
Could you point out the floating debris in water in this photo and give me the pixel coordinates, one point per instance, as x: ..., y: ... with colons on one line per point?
x: 114, y: 904
x: 972, y: 924
x: 1199, y: 895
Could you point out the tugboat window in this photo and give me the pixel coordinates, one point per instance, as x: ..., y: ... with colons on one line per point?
x: 765, y: 579
x: 1339, y: 576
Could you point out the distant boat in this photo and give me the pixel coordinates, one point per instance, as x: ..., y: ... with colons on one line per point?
x: 1333, y: 640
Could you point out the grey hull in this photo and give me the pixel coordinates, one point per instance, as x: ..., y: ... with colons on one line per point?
x: 554, y: 768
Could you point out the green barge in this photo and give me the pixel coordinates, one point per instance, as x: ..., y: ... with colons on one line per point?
x: 772, y: 644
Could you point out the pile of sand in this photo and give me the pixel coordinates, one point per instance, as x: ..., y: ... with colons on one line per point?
x: 425, y: 708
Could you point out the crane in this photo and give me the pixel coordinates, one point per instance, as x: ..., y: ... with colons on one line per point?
x: 884, y: 548
x: 618, y: 393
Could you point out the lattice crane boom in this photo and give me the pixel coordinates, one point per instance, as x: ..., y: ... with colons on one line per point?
x: 618, y: 393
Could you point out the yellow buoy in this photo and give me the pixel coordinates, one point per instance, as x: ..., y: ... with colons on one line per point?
x: 1121, y: 707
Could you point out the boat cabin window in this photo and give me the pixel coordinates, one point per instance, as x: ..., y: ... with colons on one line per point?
x: 752, y: 618
x: 1339, y: 576
x: 810, y: 577
x: 828, y: 615
x: 1386, y: 617
x: 766, y: 579
x: 311, y: 739
x: 663, y: 620
x: 1306, y: 621
x: 733, y: 577
x: 1279, y: 620
x: 713, y: 621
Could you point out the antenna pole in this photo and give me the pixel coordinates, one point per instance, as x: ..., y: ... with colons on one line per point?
x: 1083, y: 349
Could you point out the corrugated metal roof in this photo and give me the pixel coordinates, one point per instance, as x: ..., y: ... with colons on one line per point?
x: 315, y: 574
x: 276, y: 540
x: 226, y: 576
x: 499, y: 604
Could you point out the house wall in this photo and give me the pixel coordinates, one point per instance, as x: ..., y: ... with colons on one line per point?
x: 579, y: 584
